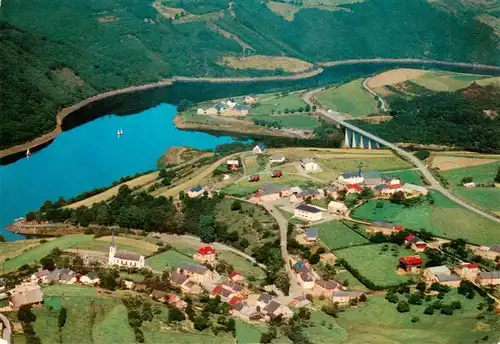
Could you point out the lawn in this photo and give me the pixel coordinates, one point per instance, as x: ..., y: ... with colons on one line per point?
x: 406, y: 176
x: 335, y: 235
x: 349, y: 98
x: 352, y: 282
x: 167, y: 260
x: 380, y: 323
x: 445, y: 81
x: 156, y: 336
x: 444, y: 218
x: 11, y: 247
x: 103, y: 246
x: 325, y: 329
x: 374, y: 263
x: 249, y: 333
x: 485, y: 198
x: 35, y: 254
x: 245, y: 188
x: 268, y: 103
x: 480, y: 174
x: 242, y: 265
x: 333, y: 167
x: 297, y: 121
x: 113, y: 328
x: 251, y: 164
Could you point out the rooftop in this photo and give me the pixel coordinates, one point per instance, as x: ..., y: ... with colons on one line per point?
x: 439, y: 270
x: 308, y: 208
x: 127, y: 256
x: 206, y: 250
x: 312, y: 233
x: 447, y: 278
x: 411, y: 260
x: 348, y: 293
x: 329, y: 285
x: 199, y: 269
x: 489, y: 275
x: 196, y: 189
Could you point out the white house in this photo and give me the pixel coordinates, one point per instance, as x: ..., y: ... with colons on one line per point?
x: 249, y: 100
x: 231, y: 104
x: 309, y: 164
x: 200, y: 111
x: 276, y: 159
x: 90, y: 279
x: 205, y: 254
x: 470, y: 185
x: 195, y: 192
x: 259, y: 149
x: 211, y: 111
x: 351, y: 178
x: 126, y: 259
x: 337, y: 208
x: 344, y: 296
x: 306, y: 280
x: 308, y: 213
x: 415, y: 189
x: 40, y: 276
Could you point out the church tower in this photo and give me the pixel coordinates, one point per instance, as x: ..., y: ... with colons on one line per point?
x: 112, y: 250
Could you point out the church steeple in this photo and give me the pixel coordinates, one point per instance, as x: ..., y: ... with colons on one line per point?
x: 113, y: 243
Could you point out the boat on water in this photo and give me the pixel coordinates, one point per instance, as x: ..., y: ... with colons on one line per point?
x: 119, y: 132
x: 28, y: 153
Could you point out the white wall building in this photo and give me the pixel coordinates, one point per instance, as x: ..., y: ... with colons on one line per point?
x: 308, y: 213
x: 309, y: 164
x: 338, y: 208
x: 126, y: 259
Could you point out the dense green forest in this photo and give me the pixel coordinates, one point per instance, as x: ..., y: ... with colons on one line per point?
x: 467, y: 118
x: 59, y: 52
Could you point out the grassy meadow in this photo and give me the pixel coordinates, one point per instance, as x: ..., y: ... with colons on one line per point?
x: 406, y: 176
x: 241, y: 265
x: 335, y: 234
x: 168, y: 260
x: 245, y: 188
x: 446, y: 81
x: 374, y: 263
x: 350, y: 98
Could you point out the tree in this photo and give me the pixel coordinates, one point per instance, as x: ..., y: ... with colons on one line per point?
x: 244, y: 243
x: 366, y: 193
x: 200, y: 323
x: 77, y: 264
x: 497, y: 177
x: 62, y: 317
x: 466, y: 180
x: 314, y: 258
x: 403, y: 307
x: 421, y: 286
x: 283, y: 282
x: 25, y: 315
x: 415, y: 319
x: 397, y: 197
x: 429, y: 310
x: 391, y: 297
x: 415, y: 299
x: 447, y: 310
x: 207, y: 229
x: 175, y: 315
x: 236, y: 205
x: 422, y: 154
x: 456, y: 305
x: 231, y: 326
x: 48, y: 263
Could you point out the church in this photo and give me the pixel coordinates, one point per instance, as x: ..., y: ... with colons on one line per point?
x: 125, y: 259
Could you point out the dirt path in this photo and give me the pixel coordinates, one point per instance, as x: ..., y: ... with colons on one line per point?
x: 383, y: 104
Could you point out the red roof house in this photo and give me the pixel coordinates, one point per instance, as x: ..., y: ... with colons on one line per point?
x: 468, y: 266
x: 234, y: 300
x: 399, y: 227
x: 394, y: 186
x: 354, y: 188
x: 205, y: 254
x: 237, y: 277
x: 410, y: 263
x: 409, y: 238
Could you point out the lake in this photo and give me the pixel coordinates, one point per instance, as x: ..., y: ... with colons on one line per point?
x: 90, y: 155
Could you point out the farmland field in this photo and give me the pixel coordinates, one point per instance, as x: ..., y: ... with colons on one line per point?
x: 296, y: 121
x: 443, y: 218
x: 380, y: 323
x: 484, y: 198
x: 445, y: 81
x: 375, y: 264
x: 167, y: 260
x: 350, y: 98
x: 325, y: 329
x: 242, y: 265
x: 335, y: 234
x: 406, y: 176
x: 480, y: 174
x: 352, y: 282
x: 11, y: 247
x: 452, y: 162
x: 288, y: 64
x: 123, y: 244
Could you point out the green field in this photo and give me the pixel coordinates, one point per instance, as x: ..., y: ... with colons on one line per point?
x: 295, y: 121
x: 352, y: 282
x: 375, y: 264
x: 248, y: 333
x: 484, y: 198
x: 103, y: 246
x: 380, y: 323
x: 13, y: 246
x: 446, y: 81
x: 480, y: 174
x: 335, y: 234
x: 321, y: 332
x: 334, y: 167
x: 167, y: 260
x: 408, y: 176
x: 350, y: 98
x: 245, y: 188
x: 444, y: 218
x: 274, y: 103
x: 35, y: 254
x: 242, y: 265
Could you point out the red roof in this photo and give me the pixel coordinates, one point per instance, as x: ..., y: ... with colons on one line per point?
x: 468, y: 265
x: 217, y: 290
x: 234, y: 300
x: 355, y: 187
x: 411, y: 260
x: 234, y: 274
x: 206, y: 250
x: 410, y: 237
x: 394, y: 186
x: 399, y: 227
x: 421, y: 245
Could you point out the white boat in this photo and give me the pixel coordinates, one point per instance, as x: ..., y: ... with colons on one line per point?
x: 120, y: 132
x: 28, y: 153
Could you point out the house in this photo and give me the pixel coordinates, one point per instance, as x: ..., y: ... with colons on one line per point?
x: 351, y: 177
x: 231, y: 104
x: 467, y: 270
x: 195, y: 192
x: 332, y: 191
x: 200, y: 111
x: 488, y: 252
x: 40, y: 276
x: 309, y: 164
x: 264, y: 300
x: 354, y: 188
x: 386, y: 228
x: 299, y: 302
x: 276, y: 159
x: 271, y: 192
x: 470, y: 185
x: 211, y: 111
x: 23, y: 295
x: 311, y: 235
x: 416, y: 243
x: 338, y: 208
x: 205, y: 254
x: 410, y: 263
x: 237, y: 277
x: 307, y: 212
x: 430, y: 273
x: 233, y: 164
x: 244, y: 311
x: 159, y: 295
x: 253, y: 178
x: 448, y: 280
x: 129, y: 284
x: 219, y: 107
x: 277, y: 174
x: 259, y: 149
x: 485, y: 278
x: 413, y: 189
x: 235, y: 287
x: 391, y: 189
x: 306, y: 194
x: 176, y: 301
x: 240, y: 110
x: 235, y: 300
x: 178, y: 279
x: 326, y: 288
x: 196, y: 273
x: 371, y: 182
x: 306, y: 280
x: 126, y: 259
x: 90, y: 279
x: 65, y: 276
x: 343, y: 297
x: 300, y: 267
x: 191, y: 287
x: 249, y: 100
x: 225, y: 294
x: 272, y: 310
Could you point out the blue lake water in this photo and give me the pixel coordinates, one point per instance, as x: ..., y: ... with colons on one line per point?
x: 92, y: 156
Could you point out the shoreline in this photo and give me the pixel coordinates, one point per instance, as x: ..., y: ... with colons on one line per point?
x: 407, y: 60
x: 47, y: 138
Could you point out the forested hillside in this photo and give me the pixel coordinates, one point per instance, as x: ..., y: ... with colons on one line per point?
x: 468, y: 118
x: 59, y: 52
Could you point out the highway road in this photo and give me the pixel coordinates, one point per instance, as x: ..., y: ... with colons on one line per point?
x: 383, y: 105
x: 338, y: 118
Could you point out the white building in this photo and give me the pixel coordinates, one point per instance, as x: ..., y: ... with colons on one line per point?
x: 309, y: 164
x: 211, y: 111
x: 126, y: 259
x: 470, y: 185
x: 308, y: 213
x: 276, y: 159
x: 351, y: 178
x: 90, y: 279
x: 259, y: 149
x: 337, y: 208
x: 412, y: 189
x: 200, y: 111
x: 195, y: 192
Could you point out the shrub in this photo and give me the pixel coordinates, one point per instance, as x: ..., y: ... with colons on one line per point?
x: 456, y: 305
x: 422, y: 154
x: 403, y: 307
x: 429, y: 310
x: 447, y: 310
x: 415, y: 319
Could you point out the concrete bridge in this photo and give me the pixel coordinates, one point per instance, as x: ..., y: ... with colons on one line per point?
x: 354, y: 139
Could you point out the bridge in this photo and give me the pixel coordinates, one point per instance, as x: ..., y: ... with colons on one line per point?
x: 354, y: 139
x: 354, y: 134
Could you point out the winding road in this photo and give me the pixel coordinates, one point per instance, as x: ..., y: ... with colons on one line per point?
x: 338, y: 118
x: 383, y: 104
